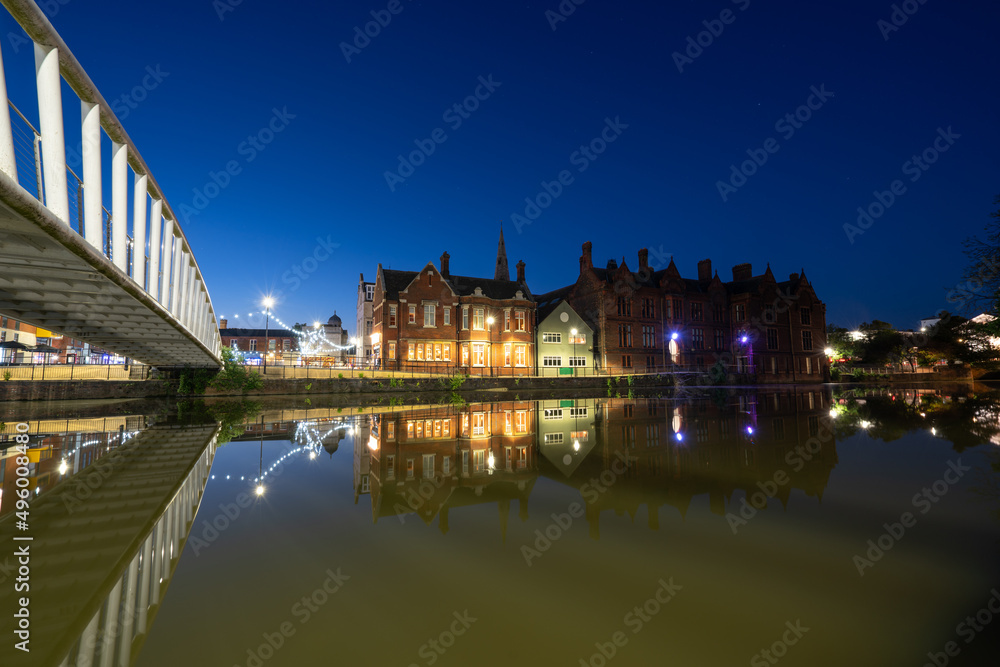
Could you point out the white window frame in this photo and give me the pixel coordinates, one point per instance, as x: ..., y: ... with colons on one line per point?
x: 578, y: 362
x: 428, y: 466
x: 430, y: 316
x: 551, y: 361
x: 446, y: 316
x: 578, y: 412
x: 554, y: 438
x: 552, y: 413
x: 552, y: 337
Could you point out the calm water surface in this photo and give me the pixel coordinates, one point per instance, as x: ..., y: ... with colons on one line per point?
x: 723, y: 528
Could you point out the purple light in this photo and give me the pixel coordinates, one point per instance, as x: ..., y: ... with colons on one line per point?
x: 673, y: 336
x: 750, y: 430
x: 744, y: 339
x: 680, y: 437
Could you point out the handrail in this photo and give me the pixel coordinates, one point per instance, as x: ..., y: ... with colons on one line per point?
x: 38, y: 27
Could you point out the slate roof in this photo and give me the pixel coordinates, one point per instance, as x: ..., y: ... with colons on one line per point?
x: 550, y: 301
x: 397, y: 281
x: 273, y: 332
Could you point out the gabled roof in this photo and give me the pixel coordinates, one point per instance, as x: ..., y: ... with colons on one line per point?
x: 397, y: 281
x: 494, y: 289
x: 550, y: 301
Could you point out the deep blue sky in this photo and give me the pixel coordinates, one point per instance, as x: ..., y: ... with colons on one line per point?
x: 655, y: 186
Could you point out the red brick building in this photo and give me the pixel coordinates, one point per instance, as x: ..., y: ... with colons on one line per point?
x: 754, y: 325
x: 433, y: 320
x: 254, y: 342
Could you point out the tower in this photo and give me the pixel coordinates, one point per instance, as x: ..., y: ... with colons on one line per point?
x: 502, y: 273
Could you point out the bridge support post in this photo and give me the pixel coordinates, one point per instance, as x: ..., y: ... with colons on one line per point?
x: 93, y: 211
x: 50, y: 120
x: 8, y: 163
x: 175, y: 295
x: 168, y: 262
x: 119, y: 205
x: 155, y: 220
x: 139, y: 230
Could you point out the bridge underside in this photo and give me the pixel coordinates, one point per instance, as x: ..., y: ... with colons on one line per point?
x: 51, y: 278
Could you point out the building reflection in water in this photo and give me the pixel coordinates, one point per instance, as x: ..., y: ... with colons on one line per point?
x: 619, y: 454
x: 59, y: 449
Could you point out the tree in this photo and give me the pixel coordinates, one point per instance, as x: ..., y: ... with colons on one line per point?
x: 839, y: 340
x: 980, y: 287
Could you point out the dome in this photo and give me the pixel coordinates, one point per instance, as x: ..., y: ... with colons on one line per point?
x: 334, y: 321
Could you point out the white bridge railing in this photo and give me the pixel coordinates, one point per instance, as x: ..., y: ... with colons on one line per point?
x: 156, y: 255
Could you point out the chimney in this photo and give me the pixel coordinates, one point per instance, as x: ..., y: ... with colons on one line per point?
x: 793, y: 277
x: 705, y: 269
x: 643, y: 259
x: 586, y: 261
x: 612, y: 265
x: 444, y: 264
x: 742, y: 272
x: 520, y: 271
x: 223, y: 323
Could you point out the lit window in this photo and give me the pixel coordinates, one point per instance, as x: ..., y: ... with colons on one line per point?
x: 506, y: 355
x: 519, y: 320
x: 506, y: 320
x: 521, y: 421
x: 520, y: 356
x: 478, y: 319
x: 392, y: 350
x: 392, y: 316
x: 413, y: 314
x: 478, y: 354
x: 446, y: 351
x: 479, y: 423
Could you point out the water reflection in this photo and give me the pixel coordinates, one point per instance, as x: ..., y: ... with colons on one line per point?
x: 115, y: 499
x: 619, y: 454
x: 105, y: 540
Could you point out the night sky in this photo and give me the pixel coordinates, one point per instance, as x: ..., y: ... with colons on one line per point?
x: 553, y: 84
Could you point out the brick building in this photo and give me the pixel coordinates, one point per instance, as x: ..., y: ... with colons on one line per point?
x: 253, y: 342
x: 435, y: 321
x: 755, y: 325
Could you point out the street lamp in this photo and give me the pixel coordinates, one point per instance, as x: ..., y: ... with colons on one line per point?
x: 268, y: 302
x: 572, y: 332
x: 489, y: 324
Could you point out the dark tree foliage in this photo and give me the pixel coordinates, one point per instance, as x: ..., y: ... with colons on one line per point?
x: 979, y: 290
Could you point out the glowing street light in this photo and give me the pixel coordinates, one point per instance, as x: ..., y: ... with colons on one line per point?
x: 268, y: 302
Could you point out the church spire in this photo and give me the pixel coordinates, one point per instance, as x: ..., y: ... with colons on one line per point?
x: 502, y: 273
